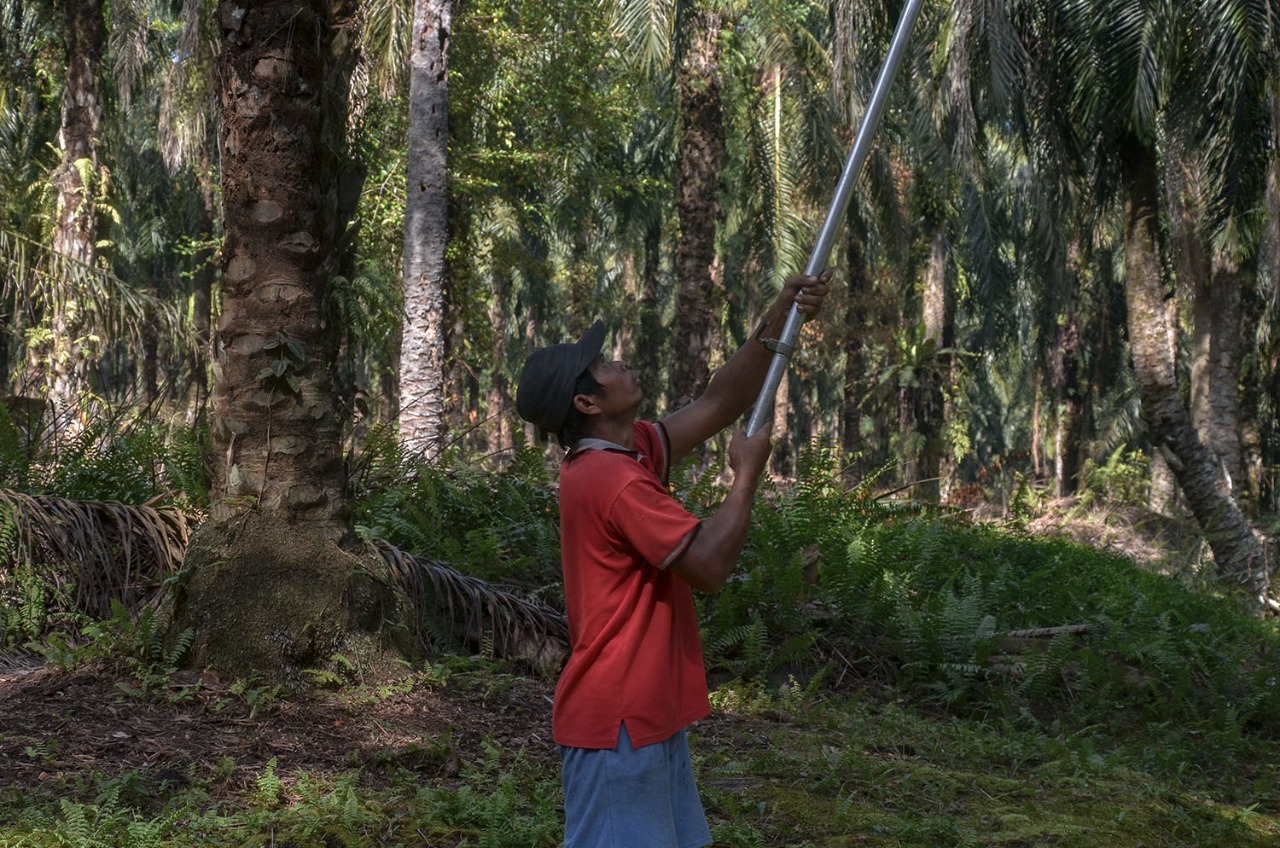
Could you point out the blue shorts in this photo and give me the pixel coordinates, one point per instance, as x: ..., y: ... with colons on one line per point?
x: 632, y: 798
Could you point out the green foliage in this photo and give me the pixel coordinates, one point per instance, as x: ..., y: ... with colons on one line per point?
x: 15, y: 454
x: 288, y: 361
x: 255, y: 693
x: 113, y: 460
x: 929, y: 598
x: 133, y: 644
x: 501, y: 527
x: 1123, y: 478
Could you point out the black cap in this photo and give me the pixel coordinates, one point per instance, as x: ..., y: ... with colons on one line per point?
x: 549, y: 376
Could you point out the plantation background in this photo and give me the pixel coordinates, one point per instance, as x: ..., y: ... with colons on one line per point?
x: 268, y: 274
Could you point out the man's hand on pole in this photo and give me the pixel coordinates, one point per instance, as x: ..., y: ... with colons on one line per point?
x: 748, y: 455
x: 808, y: 293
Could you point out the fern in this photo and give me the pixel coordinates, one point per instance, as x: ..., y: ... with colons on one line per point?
x: 270, y: 787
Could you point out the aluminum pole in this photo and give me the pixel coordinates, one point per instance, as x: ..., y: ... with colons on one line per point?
x: 783, y: 346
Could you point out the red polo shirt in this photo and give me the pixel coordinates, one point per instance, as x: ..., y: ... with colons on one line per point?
x: 636, y: 654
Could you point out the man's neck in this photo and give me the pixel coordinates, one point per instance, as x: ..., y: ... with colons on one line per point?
x: 620, y: 431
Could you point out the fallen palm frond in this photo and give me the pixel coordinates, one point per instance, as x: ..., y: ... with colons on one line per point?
x: 478, y: 614
x: 90, y: 552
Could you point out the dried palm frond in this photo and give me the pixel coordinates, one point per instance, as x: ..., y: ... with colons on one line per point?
x: 478, y: 614
x: 92, y: 552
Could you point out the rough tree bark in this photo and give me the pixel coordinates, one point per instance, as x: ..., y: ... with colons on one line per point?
x: 856, y: 315
x: 938, y: 309
x: 276, y: 423
x: 75, y: 226
x: 699, y: 279
x: 1237, y: 551
x: 1067, y: 382
x: 267, y: 587
x: 1215, y: 370
x: 422, y: 347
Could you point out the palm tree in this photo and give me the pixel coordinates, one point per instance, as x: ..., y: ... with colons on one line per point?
x: 76, y: 185
x: 1146, y: 58
x: 877, y: 232
x: 27, y: 129
x: 699, y: 275
x: 275, y: 419
x: 422, y: 348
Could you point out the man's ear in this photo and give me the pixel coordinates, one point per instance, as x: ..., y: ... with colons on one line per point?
x: 586, y: 404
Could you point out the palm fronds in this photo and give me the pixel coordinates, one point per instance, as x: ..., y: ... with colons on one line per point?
x: 90, y: 552
x: 476, y: 613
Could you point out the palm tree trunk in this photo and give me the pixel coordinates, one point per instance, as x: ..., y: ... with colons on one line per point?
x: 858, y: 292
x: 1069, y: 391
x: 275, y: 422
x: 1237, y: 551
x: 698, y: 276
x: 1215, y: 370
x: 75, y: 228
x: 939, y: 326
x: 652, y: 339
x: 202, y: 279
x: 422, y: 347
x: 1072, y: 419
x: 1214, y: 288
x: 499, y: 401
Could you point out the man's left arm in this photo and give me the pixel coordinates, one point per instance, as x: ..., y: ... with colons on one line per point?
x: 735, y: 386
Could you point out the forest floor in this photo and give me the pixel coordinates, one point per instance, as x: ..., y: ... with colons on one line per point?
x: 58, y: 725
x: 64, y: 733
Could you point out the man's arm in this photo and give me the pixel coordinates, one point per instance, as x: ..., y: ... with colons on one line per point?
x: 710, y: 558
x: 735, y: 386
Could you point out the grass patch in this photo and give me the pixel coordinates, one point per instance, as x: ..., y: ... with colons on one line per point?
x: 862, y: 768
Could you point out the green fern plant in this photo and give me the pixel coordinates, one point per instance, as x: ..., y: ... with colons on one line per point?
x: 270, y: 786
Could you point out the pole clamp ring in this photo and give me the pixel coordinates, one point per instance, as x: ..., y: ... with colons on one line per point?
x: 778, y: 346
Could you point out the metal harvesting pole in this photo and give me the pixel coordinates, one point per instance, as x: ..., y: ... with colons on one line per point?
x: 782, y: 347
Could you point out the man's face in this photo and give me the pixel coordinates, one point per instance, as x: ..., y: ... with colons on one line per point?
x: 621, y: 385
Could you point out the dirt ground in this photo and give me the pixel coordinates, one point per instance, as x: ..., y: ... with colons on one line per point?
x: 62, y: 726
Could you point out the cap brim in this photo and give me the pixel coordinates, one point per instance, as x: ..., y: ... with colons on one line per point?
x: 590, y: 344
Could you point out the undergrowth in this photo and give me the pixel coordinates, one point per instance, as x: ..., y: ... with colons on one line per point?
x: 877, y: 649
x: 929, y: 600
x: 775, y: 768
x: 114, y: 458
x: 502, y: 527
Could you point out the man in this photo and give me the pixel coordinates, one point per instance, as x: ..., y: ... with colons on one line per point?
x: 630, y: 554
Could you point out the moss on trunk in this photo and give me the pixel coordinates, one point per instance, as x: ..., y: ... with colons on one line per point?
x: 265, y: 598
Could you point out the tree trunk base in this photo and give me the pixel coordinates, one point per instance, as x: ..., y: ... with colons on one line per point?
x: 259, y: 597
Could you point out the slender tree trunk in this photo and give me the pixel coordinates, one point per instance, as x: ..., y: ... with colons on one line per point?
x: 498, y: 402
x: 1069, y: 391
x: 75, y: 226
x: 1215, y: 370
x: 459, y: 377
x: 151, y: 361
x: 649, y: 347
x: 939, y: 327
x: 276, y: 424
x: 422, y: 347
x: 698, y: 277
x: 202, y: 291
x: 1236, y: 549
x: 858, y: 291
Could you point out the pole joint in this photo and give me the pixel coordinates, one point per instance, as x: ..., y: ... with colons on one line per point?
x: 779, y: 347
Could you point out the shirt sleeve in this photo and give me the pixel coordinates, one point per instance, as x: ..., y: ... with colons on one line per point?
x: 655, y: 448
x: 655, y: 524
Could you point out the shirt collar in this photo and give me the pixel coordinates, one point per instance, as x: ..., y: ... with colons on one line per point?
x: 583, y: 445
